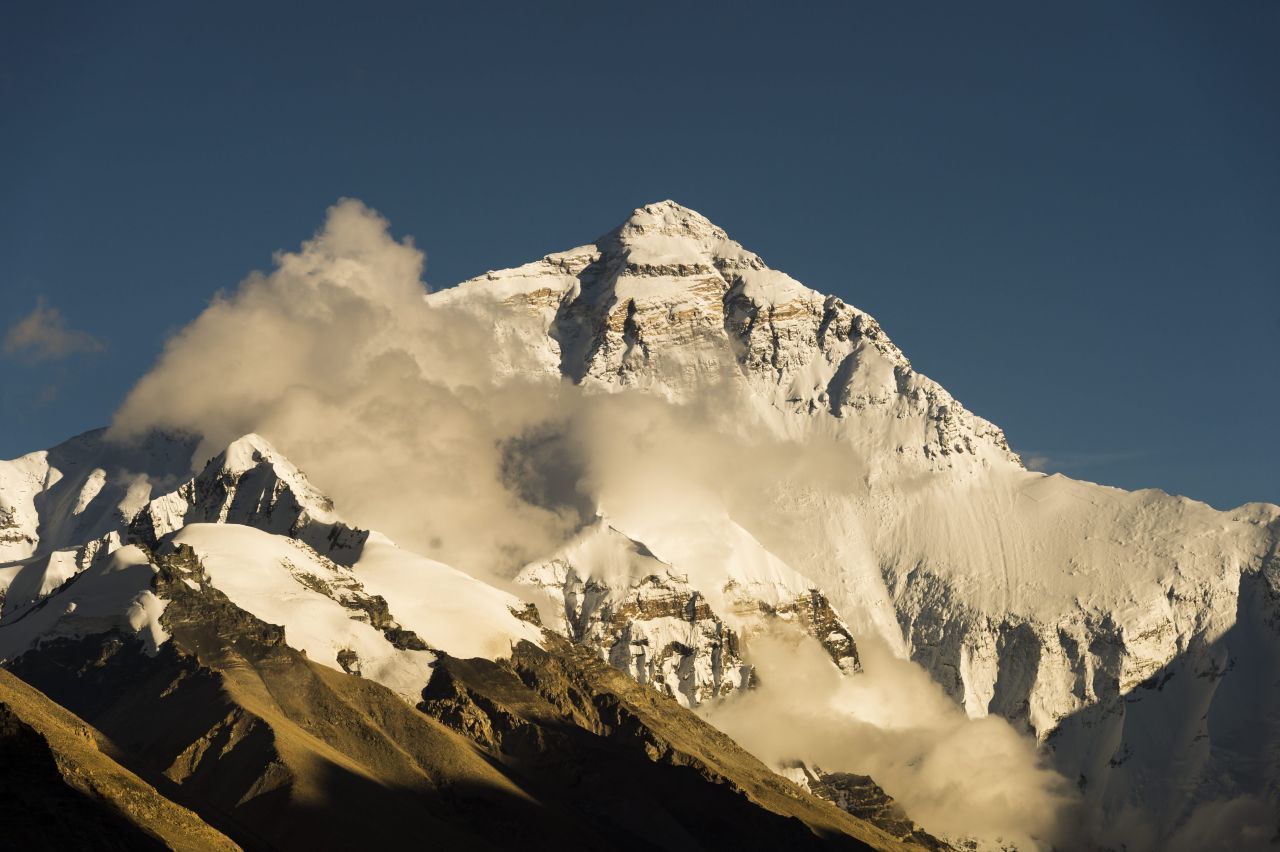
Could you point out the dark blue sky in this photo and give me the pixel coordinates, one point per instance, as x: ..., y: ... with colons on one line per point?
x: 1070, y: 217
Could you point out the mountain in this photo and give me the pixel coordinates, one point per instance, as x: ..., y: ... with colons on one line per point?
x: 739, y: 458
x: 290, y: 705
x: 1133, y: 633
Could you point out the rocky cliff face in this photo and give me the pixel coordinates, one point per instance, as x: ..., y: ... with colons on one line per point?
x: 647, y: 618
x: 668, y: 303
x: 861, y: 796
x: 659, y: 630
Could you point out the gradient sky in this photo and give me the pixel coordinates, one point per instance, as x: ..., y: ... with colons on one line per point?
x: 1070, y: 217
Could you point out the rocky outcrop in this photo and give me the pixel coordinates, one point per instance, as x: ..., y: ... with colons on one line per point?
x: 250, y: 483
x: 648, y: 618
x: 864, y: 798
x: 813, y: 614
x: 659, y: 630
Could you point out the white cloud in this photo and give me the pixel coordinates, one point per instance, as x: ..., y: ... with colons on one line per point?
x: 1064, y: 461
x: 43, y: 335
x: 1038, y: 461
x: 388, y: 405
x: 961, y: 777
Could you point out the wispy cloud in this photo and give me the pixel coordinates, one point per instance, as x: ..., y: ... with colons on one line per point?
x: 43, y: 335
x: 960, y: 777
x: 1067, y: 461
x: 47, y: 395
x: 1038, y: 461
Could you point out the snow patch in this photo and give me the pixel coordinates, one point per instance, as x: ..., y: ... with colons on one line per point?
x: 278, y: 580
x: 450, y: 610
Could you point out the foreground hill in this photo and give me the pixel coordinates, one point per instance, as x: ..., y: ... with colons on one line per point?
x: 62, y: 789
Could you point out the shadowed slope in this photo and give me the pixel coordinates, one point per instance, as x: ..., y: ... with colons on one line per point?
x: 59, y: 790
x: 635, y: 757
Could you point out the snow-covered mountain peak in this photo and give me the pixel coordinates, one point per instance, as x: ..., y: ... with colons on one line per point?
x: 669, y: 218
x: 251, y: 526
x: 668, y: 303
x: 254, y: 452
x: 667, y: 236
x: 251, y: 483
x: 247, y: 452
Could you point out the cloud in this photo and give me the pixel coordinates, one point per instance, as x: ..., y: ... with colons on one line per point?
x: 1055, y: 461
x: 1038, y: 461
x: 42, y: 335
x: 959, y: 777
x: 410, y: 418
x: 1244, y: 824
x: 390, y: 406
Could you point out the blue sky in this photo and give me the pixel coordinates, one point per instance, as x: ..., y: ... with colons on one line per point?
x: 1070, y: 217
